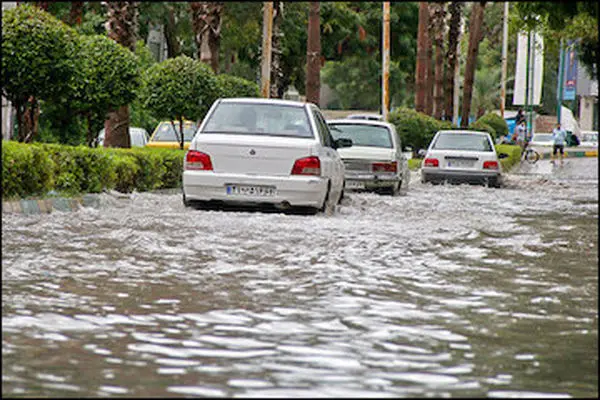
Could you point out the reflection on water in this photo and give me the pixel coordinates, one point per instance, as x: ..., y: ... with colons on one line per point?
x: 484, y: 293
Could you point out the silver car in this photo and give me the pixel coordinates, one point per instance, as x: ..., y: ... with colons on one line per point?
x: 376, y: 160
x: 276, y: 153
x: 138, y: 137
x: 460, y: 156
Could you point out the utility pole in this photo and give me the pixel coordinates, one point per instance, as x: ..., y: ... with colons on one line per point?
x: 265, y: 79
x: 504, y: 54
x: 559, y: 87
x: 385, y: 87
x: 313, y: 54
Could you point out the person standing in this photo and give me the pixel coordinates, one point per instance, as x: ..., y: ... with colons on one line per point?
x: 559, y: 137
x: 521, y: 135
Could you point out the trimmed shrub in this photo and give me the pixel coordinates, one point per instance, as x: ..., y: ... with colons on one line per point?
x: 514, y: 155
x: 416, y: 129
x: 35, y: 169
x: 497, y: 123
x: 483, y: 127
x: 26, y: 170
x: 234, y: 86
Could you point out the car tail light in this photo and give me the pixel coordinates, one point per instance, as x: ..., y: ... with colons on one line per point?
x: 490, y: 165
x: 307, y: 166
x: 431, y: 162
x: 385, y: 166
x: 196, y: 160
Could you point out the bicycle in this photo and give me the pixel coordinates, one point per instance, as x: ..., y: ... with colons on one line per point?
x: 529, y: 154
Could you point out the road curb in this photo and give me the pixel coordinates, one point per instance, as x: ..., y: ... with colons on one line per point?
x: 46, y: 206
x: 573, y: 154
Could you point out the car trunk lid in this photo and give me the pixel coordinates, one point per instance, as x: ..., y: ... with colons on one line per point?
x: 253, y: 155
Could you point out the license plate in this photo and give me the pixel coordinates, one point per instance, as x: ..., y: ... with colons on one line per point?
x: 246, y: 190
x: 460, y: 163
x: 355, y: 185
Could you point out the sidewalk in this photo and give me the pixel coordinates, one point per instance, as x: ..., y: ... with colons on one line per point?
x: 45, y: 206
x: 545, y: 153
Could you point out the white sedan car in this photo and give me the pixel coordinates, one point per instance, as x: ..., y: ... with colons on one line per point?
x: 541, y: 140
x: 589, y: 139
x: 376, y: 160
x: 462, y: 156
x: 251, y: 151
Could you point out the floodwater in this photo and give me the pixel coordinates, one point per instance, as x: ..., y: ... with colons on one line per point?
x: 448, y: 291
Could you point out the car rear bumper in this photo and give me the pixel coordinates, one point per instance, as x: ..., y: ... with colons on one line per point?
x: 370, y: 181
x: 460, y: 176
x: 299, y: 191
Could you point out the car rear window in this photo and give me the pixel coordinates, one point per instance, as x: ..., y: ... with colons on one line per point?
x: 462, y: 141
x: 363, y: 135
x: 165, y: 133
x: 259, y: 119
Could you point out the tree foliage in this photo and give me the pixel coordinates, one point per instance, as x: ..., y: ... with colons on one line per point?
x: 37, y: 56
x: 577, y: 20
x: 234, y: 86
x: 108, y: 77
x: 180, y: 88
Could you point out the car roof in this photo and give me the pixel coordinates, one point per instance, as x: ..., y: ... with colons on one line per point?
x: 360, y: 122
x: 376, y: 117
x: 464, y: 131
x: 260, y: 100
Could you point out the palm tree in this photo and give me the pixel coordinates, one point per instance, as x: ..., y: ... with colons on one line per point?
x: 206, y: 21
x: 122, y: 28
x: 439, y: 24
x: 422, y: 59
x: 475, y: 31
x: 313, y: 54
x: 276, y: 53
x: 455, y: 10
x: 486, y: 90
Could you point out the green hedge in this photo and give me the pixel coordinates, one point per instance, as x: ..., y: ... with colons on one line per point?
x: 481, y: 126
x: 416, y: 129
x: 36, y: 169
x: 496, y: 122
x: 514, y: 155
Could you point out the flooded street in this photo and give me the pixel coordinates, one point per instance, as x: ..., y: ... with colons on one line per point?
x: 448, y: 291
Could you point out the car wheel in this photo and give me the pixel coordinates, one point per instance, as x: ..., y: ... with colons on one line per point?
x: 186, y: 202
x: 395, y: 190
x: 342, y: 194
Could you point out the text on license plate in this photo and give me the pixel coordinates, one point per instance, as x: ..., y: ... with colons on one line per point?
x: 247, y: 190
x: 460, y: 163
x: 355, y: 185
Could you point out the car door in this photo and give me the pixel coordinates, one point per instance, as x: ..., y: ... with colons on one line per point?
x: 332, y: 165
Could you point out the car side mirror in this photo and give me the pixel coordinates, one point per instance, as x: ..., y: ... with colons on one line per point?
x: 342, y: 142
x: 502, y: 155
x: 422, y: 152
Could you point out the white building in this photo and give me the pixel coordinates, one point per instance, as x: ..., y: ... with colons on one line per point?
x: 587, y: 91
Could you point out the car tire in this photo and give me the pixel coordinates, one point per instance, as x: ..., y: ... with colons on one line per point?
x: 395, y: 190
x: 342, y: 194
x: 186, y: 203
x: 327, y: 208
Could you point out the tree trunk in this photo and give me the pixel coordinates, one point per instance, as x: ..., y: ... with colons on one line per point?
x: 206, y: 22
x: 20, y: 109
x: 122, y: 28
x: 439, y: 26
x: 475, y: 25
x: 76, y: 13
x: 173, y: 47
x: 90, y: 134
x: 430, y: 61
x: 276, y: 72
x: 422, y: 64
x: 313, y: 54
x: 30, y: 120
x: 455, y: 9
